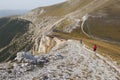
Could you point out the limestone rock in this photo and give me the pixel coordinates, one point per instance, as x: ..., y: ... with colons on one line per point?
x: 25, y: 57
x: 45, y: 43
x: 68, y: 61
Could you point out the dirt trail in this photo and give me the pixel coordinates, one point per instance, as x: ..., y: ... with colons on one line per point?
x: 104, y: 59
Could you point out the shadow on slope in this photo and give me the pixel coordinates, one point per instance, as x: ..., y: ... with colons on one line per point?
x: 13, y: 35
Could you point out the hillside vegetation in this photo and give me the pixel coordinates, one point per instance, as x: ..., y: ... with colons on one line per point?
x: 107, y: 22
x: 64, y: 8
x: 102, y: 27
x: 13, y: 36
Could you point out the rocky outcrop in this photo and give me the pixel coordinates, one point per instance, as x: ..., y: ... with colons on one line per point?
x: 25, y: 57
x: 45, y: 43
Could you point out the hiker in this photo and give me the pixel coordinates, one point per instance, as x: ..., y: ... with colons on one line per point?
x: 95, y: 47
x: 80, y: 41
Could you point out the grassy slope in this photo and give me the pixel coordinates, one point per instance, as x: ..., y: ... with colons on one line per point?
x: 104, y: 28
x: 11, y: 29
x: 111, y: 31
x: 12, y: 36
x: 107, y: 28
x: 63, y: 8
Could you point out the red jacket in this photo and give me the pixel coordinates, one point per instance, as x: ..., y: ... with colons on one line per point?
x: 94, y: 48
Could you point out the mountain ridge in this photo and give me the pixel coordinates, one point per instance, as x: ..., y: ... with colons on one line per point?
x: 46, y: 20
x: 56, y: 42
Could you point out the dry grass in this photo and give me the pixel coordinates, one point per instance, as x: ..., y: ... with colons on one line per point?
x: 104, y: 28
x: 64, y: 8
x: 63, y: 24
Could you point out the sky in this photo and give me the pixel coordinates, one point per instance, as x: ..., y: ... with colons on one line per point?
x: 26, y: 4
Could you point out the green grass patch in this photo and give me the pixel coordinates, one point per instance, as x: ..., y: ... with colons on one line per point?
x: 65, y: 23
x: 12, y: 29
x: 14, y: 36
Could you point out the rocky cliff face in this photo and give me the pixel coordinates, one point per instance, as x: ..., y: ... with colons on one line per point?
x: 44, y: 44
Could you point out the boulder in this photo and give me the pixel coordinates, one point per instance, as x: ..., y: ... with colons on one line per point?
x: 25, y: 57
x: 41, y: 60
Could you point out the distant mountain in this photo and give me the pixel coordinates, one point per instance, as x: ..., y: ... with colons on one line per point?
x: 5, y: 13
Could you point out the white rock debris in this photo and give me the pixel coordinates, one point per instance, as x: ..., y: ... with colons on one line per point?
x: 69, y: 61
x: 26, y: 57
